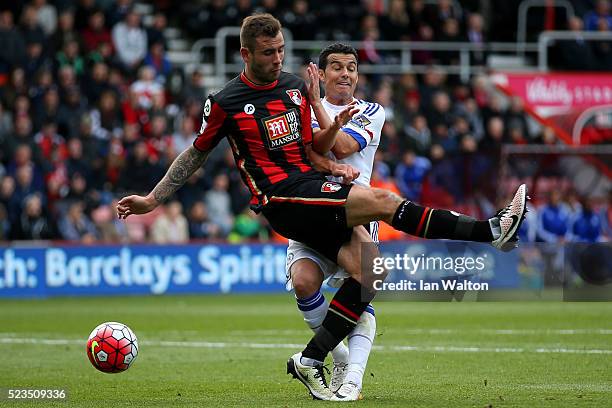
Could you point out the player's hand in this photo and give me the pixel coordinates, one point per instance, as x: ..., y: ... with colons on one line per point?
x: 346, y: 114
x: 314, y: 91
x: 347, y: 172
x: 135, y: 204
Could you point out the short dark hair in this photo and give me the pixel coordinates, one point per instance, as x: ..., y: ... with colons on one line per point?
x: 336, y: 48
x: 257, y: 25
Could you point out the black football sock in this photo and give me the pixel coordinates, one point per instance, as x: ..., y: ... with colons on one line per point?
x: 432, y: 223
x: 342, y: 317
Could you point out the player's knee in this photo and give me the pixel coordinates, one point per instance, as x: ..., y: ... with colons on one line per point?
x: 387, y: 201
x: 306, y: 278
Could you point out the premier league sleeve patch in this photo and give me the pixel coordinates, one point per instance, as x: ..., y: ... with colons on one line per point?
x: 361, y: 121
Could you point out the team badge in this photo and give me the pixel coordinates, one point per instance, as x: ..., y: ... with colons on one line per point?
x: 249, y: 109
x: 295, y: 96
x: 330, y: 187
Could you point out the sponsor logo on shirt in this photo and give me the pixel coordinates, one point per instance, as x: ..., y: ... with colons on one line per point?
x: 282, y: 129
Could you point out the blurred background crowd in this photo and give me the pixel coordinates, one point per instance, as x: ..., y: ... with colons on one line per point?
x: 92, y: 108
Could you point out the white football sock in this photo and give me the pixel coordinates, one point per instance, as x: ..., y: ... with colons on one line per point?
x: 360, y: 342
x: 314, y: 309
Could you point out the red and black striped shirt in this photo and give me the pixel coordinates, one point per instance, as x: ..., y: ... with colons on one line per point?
x: 267, y: 126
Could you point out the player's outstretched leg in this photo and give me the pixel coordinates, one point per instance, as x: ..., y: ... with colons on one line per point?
x: 360, y: 344
x: 364, y: 205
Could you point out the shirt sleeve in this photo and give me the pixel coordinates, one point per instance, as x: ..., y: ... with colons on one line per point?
x: 366, y: 128
x: 314, y: 123
x: 306, y: 119
x: 213, y: 126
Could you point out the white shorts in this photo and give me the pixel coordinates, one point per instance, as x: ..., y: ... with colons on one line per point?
x: 334, y: 274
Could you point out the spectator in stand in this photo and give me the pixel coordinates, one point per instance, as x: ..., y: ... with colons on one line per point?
x: 155, y: 32
x: 451, y: 32
x: 203, y: 22
x: 418, y: 135
x: 193, y: 88
x: 157, y: 60
x: 31, y: 30
x: 12, y: 43
x: 494, y: 137
x: 592, y: 19
x: 587, y: 224
x: 553, y: 219
x: 184, y: 138
x: 6, y: 126
x: 111, y: 229
x: 97, y: 83
x: 200, y: 225
x: 249, y: 226
x: 130, y: 42
x: 7, y: 198
x: 106, y: 118
x: 602, y: 50
x: 46, y: 16
x: 50, y: 143
x: 575, y: 54
x: 410, y: 174
x: 395, y: 24
x: 75, y: 225
x: 476, y: 35
x: 5, y: 224
x: 33, y: 224
x: 65, y: 31
x: 146, y: 87
x: 301, y: 21
x: 140, y: 171
x: 16, y: 87
x: 35, y: 59
x: 219, y: 205
x: 70, y: 113
x: 96, y: 36
x: 70, y: 55
x: 118, y: 11
x: 171, y: 226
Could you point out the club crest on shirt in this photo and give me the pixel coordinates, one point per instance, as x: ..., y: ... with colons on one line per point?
x: 282, y: 129
x: 295, y: 95
x: 360, y: 121
x: 330, y: 187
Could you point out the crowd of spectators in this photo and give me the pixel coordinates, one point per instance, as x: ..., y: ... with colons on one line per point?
x: 90, y: 110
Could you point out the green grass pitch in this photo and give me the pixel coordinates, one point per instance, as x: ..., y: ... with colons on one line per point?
x: 226, y: 351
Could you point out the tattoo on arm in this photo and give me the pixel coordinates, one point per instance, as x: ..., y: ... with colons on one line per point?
x: 180, y: 170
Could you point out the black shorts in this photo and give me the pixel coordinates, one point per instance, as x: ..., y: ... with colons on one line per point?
x: 312, y: 212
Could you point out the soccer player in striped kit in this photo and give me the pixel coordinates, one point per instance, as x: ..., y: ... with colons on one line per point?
x: 265, y: 114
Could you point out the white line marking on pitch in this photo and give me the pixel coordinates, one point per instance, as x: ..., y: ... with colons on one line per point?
x: 273, y: 332
x: 388, y: 348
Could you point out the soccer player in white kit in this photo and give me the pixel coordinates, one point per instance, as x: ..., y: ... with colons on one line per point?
x: 355, y: 144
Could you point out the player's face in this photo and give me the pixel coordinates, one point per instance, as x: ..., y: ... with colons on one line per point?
x: 340, y: 76
x: 266, y: 61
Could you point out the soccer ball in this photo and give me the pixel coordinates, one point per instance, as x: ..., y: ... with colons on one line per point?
x: 112, y: 347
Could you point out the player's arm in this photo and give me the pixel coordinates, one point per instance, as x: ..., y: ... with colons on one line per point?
x: 328, y: 166
x: 324, y: 138
x: 186, y: 163
x: 356, y: 135
x: 180, y: 170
